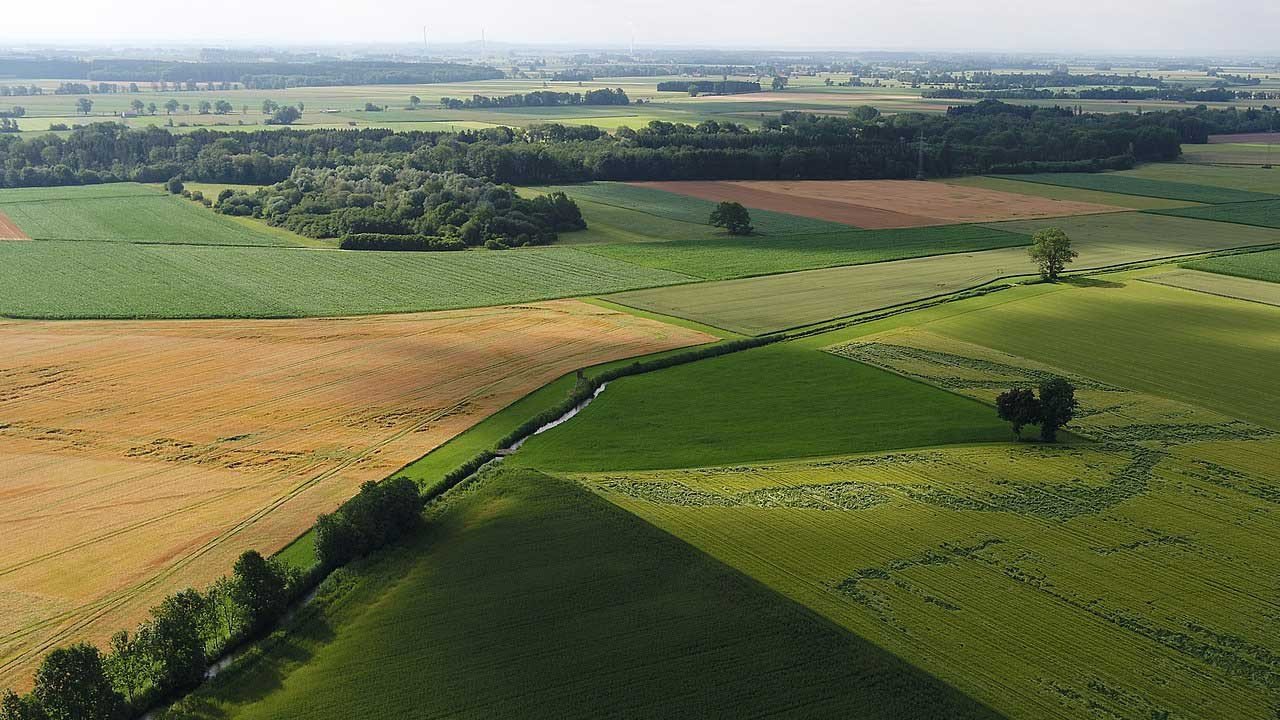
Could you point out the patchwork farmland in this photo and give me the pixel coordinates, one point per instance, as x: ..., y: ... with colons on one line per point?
x: 203, y: 439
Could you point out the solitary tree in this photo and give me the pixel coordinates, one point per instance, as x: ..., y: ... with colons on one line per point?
x: 222, y: 107
x: 1057, y: 407
x: 414, y: 101
x: 84, y: 105
x: 174, y: 185
x: 205, y: 107
x: 1018, y: 407
x: 286, y: 115
x: 733, y: 217
x: 72, y: 684
x: 779, y: 82
x: 137, y: 105
x: 1051, y: 251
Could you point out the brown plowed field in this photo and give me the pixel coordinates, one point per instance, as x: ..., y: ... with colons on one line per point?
x: 882, y: 203
x: 137, y: 458
x: 9, y: 229
x: 1245, y: 138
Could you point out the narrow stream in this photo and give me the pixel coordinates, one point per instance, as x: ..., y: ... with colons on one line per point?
x: 224, y: 662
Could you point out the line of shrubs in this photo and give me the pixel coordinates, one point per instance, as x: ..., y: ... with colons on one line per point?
x: 387, y: 241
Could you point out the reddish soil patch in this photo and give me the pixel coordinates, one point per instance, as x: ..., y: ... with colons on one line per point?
x: 878, y: 204
x: 9, y: 229
x: 138, y: 458
x: 1245, y: 138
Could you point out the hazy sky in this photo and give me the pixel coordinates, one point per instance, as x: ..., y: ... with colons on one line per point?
x: 1051, y: 25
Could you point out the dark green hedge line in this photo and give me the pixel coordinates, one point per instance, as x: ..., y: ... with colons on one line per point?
x: 386, y: 241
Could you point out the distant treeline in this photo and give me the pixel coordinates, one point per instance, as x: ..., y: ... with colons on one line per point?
x: 989, y: 136
x: 1179, y: 94
x: 251, y: 74
x: 539, y: 98
x: 607, y: 70
x: 368, y: 205
x: 710, y: 87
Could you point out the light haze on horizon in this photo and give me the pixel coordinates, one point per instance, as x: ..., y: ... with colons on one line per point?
x: 1085, y: 26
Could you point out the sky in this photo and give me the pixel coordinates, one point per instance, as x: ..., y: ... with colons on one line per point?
x: 1084, y: 26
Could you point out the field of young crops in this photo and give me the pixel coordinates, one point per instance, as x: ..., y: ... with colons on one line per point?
x: 1251, y: 179
x: 531, y: 597
x: 1217, y: 284
x: 724, y: 257
x: 1264, y: 213
x: 1127, y: 184
x: 114, y: 280
x: 1258, y: 266
x: 124, y: 212
x: 1062, y: 192
x: 778, y: 401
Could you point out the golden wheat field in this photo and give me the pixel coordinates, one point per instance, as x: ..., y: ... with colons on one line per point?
x: 137, y: 458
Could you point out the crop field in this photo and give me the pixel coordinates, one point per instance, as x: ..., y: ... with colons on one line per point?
x: 1127, y: 573
x: 582, y: 610
x: 1129, y: 184
x: 1258, y: 266
x: 882, y: 203
x: 1224, y: 285
x: 118, y: 280
x: 728, y: 257
x: 143, y: 457
x: 1248, y: 179
x: 1263, y: 213
x: 765, y: 304
x: 124, y: 213
x: 727, y: 409
x: 1255, y: 153
x: 1061, y: 192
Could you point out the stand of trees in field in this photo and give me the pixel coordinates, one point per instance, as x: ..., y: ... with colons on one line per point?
x: 710, y: 87
x: 171, y: 652
x: 988, y: 137
x: 396, y: 207
x: 539, y: 98
x: 1178, y: 94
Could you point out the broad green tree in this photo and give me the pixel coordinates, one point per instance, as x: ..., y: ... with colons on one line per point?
x: 733, y: 217
x: 72, y: 684
x: 259, y: 588
x: 1057, y: 407
x: 84, y: 105
x: 1051, y: 252
x: 1018, y: 407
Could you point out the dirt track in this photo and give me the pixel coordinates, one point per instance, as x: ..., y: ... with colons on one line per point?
x: 137, y: 458
x: 9, y: 230
x: 876, y: 204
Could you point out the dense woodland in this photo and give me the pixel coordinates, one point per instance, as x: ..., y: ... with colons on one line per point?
x: 395, y: 207
x: 987, y: 137
x: 710, y: 87
x: 539, y: 98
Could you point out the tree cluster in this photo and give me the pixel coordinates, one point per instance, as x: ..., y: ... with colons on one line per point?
x: 710, y: 87
x: 379, y: 514
x: 386, y: 241
x: 449, y: 207
x: 539, y: 98
x: 1053, y: 409
x: 167, y: 655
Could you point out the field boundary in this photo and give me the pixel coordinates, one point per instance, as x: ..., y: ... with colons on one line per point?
x: 9, y: 229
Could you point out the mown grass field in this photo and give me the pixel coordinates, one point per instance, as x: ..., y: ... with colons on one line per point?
x: 779, y: 401
x: 1263, y: 213
x: 1258, y: 266
x: 125, y: 212
x: 727, y: 257
x: 1116, y: 238
x: 1250, y: 179
x: 530, y: 597
x: 116, y: 280
x: 1160, y: 187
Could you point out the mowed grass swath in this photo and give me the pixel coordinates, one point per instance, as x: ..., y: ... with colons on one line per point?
x: 125, y: 213
x: 204, y: 439
x: 532, y: 597
x: 110, y: 280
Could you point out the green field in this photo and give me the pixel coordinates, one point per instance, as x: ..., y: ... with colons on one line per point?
x: 1263, y: 213
x: 118, y: 280
x: 777, y: 302
x: 531, y: 597
x: 125, y: 212
x: 1258, y: 266
x: 1250, y: 179
x: 1240, y: 154
x: 1230, y: 286
x: 723, y: 257
x: 1128, y: 184
x: 1071, y: 194
x: 780, y: 401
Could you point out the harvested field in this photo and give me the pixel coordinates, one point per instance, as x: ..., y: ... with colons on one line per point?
x: 141, y: 457
x: 9, y: 230
x: 1239, y: 288
x: 883, y: 203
